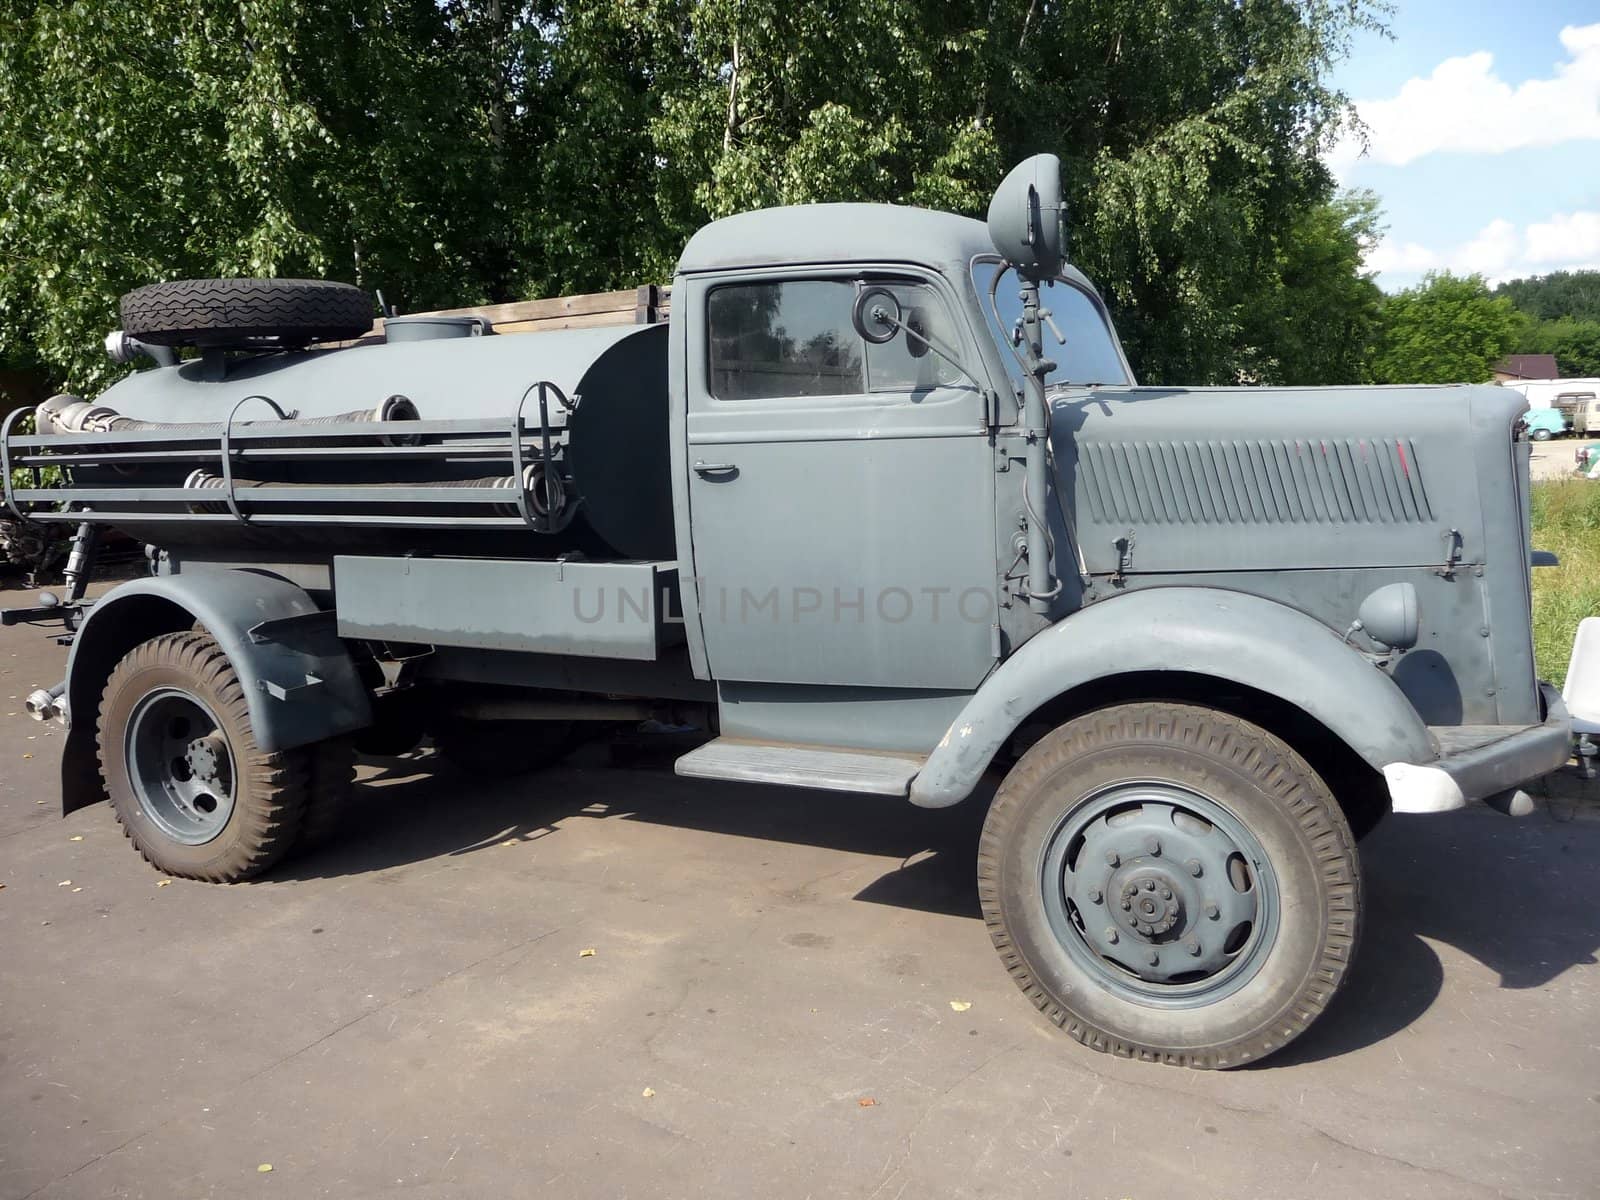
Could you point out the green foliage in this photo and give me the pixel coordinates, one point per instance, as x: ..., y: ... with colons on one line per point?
x: 1561, y: 316
x: 1559, y: 294
x: 458, y: 151
x: 1447, y: 329
x: 1566, y: 520
x: 1319, y: 315
x: 1575, y: 343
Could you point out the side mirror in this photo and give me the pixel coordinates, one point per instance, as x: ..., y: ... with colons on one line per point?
x: 876, y: 316
x: 1026, y: 218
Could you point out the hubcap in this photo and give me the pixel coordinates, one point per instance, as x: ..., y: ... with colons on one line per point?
x: 1161, y: 893
x: 180, y: 766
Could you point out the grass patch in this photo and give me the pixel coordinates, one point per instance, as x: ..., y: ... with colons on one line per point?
x: 1566, y: 520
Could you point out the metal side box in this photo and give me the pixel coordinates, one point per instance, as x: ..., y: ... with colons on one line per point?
x: 602, y: 610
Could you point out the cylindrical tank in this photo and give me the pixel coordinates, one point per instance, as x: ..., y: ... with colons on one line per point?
x: 611, y: 445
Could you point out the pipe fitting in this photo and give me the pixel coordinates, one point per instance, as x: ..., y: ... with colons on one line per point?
x: 48, y: 705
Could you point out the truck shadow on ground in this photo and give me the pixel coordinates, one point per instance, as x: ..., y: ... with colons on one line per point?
x: 1512, y: 894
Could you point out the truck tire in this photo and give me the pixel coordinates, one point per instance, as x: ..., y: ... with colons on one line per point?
x: 333, y: 773
x: 503, y: 749
x: 186, y: 780
x: 1171, y: 883
x: 1540, y: 435
x: 224, y: 312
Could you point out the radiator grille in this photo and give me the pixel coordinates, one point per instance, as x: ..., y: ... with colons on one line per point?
x: 1304, y: 482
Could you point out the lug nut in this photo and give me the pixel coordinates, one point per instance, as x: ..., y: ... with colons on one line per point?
x: 1149, y: 885
x: 1111, y: 936
x: 1113, y: 858
x: 1094, y: 895
x: 1166, y: 893
x: 1154, y: 846
x: 1211, y: 910
x: 1194, y: 867
x: 1193, y: 947
x: 1127, y: 906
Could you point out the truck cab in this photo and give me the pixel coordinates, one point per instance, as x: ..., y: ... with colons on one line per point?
x: 882, y: 509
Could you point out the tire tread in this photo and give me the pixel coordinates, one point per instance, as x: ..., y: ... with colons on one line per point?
x: 1280, y: 770
x: 278, y: 781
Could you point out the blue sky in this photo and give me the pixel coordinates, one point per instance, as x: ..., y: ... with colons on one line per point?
x: 1484, y: 121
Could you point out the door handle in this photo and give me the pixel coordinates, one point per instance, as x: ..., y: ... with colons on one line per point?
x: 704, y: 468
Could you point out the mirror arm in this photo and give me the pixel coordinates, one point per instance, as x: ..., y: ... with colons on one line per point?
x: 930, y: 344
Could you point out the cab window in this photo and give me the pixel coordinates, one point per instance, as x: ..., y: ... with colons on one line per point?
x: 794, y: 338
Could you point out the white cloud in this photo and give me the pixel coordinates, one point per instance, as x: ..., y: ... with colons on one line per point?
x: 1464, y: 106
x: 1501, y: 250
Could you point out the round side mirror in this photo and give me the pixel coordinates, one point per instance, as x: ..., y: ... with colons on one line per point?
x: 876, y: 315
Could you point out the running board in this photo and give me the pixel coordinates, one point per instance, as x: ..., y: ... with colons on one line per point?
x: 830, y: 768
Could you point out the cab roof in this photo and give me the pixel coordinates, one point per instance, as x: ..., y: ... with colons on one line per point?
x: 799, y: 234
x: 830, y: 233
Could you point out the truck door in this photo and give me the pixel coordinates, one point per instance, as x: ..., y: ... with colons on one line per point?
x: 840, y: 493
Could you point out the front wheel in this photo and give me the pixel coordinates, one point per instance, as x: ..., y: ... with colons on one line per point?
x: 1540, y: 435
x: 1171, y: 883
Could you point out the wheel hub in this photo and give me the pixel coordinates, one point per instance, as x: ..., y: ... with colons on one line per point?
x: 1160, y: 889
x: 1150, y: 903
x: 180, y: 766
x: 204, y: 756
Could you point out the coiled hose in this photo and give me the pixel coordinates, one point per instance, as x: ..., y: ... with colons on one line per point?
x: 68, y: 414
x: 547, y: 492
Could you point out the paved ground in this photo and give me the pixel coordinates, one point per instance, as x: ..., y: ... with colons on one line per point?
x: 1553, y: 459
x: 411, y: 1013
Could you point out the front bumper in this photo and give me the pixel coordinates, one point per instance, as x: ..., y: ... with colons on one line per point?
x: 1485, y: 770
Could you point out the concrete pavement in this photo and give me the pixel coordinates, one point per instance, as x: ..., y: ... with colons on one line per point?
x: 410, y: 1011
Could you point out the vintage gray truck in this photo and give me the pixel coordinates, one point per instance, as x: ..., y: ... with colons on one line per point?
x: 881, y: 508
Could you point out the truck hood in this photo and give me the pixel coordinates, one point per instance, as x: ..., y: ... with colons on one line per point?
x: 1242, y: 479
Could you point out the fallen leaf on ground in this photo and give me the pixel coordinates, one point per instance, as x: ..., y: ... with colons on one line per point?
x: 77, y: 837
x: 162, y: 882
x: 2, y: 887
x: 648, y: 1092
x: 65, y: 883
x: 77, y: 889
x: 866, y: 1102
x: 27, y: 756
x: 587, y: 952
x: 961, y: 1005
x: 511, y: 842
x: 264, y: 1168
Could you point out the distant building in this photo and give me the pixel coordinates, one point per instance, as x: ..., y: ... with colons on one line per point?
x: 1514, y: 368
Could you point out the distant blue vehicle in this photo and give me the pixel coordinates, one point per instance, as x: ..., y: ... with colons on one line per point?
x: 1545, y: 423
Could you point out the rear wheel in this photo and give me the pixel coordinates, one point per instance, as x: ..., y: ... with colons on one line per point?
x: 185, y: 777
x: 1171, y: 883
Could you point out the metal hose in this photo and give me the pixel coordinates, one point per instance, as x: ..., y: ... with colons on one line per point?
x: 68, y: 414
x: 547, y: 493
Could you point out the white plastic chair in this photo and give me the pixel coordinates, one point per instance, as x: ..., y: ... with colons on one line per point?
x: 1582, y: 690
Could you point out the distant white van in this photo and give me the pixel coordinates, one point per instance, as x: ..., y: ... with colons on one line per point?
x: 1556, y: 393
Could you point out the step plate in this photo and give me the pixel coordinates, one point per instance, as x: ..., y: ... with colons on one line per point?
x: 834, y: 770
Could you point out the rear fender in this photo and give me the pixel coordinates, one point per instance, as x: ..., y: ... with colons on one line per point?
x: 1228, y: 636
x: 299, y: 680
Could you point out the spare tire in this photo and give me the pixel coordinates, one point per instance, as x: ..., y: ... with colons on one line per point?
x: 227, y: 312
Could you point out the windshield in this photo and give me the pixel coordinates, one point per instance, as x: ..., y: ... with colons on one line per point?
x: 1090, y: 355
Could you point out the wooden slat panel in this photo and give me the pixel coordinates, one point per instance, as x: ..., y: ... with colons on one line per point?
x: 591, y: 311
x: 541, y: 310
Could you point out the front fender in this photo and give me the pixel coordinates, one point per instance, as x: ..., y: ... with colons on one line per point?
x: 299, y: 680
x: 1230, y: 636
